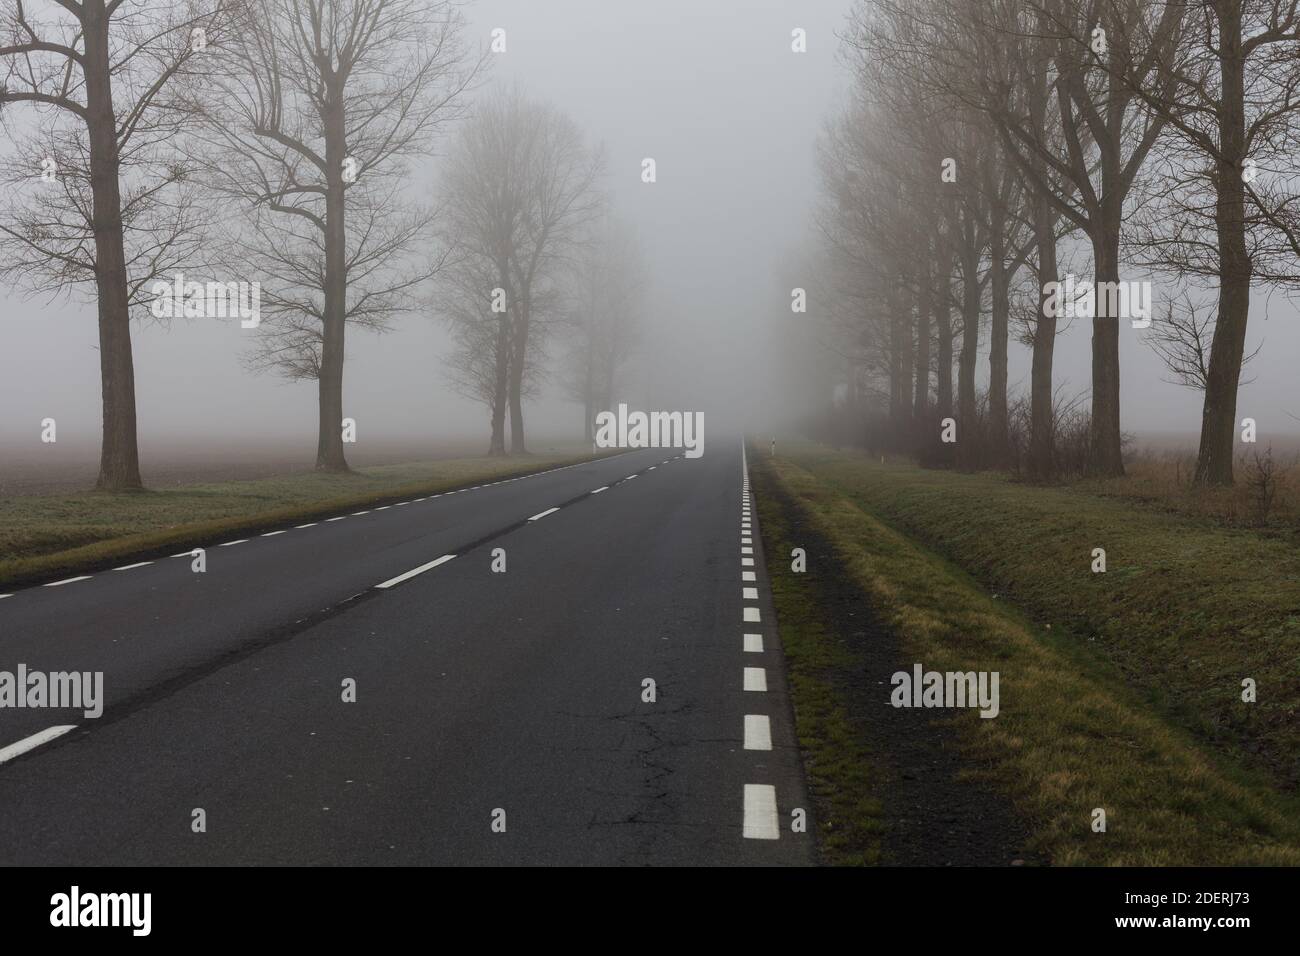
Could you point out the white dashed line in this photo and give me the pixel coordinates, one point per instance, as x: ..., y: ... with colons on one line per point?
x: 749, y: 594
x: 310, y: 525
x: 414, y: 571
x: 339, y: 518
x: 386, y: 507
x: 55, y: 584
x: 272, y: 534
x: 747, y: 562
x: 230, y: 544
x: 753, y: 643
x: 548, y: 511
x: 752, y: 616
x: 629, y: 477
x: 747, y: 575
x: 756, y: 679
x: 128, y: 567
x: 760, y: 812
x: 599, y: 490
x: 34, y: 741
x: 3, y: 596
x: 358, y: 514
x: 746, y: 550
x: 758, y: 732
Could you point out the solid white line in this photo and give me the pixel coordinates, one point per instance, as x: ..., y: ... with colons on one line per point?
x: 755, y: 679
x: 548, y: 511
x: 754, y: 643
x: 599, y: 490
x: 749, y: 594
x: 311, y: 525
x: 231, y: 543
x: 752, y: 615
x: 760, y: 812
x: 758, y: 732
x: 34, y: 741
x: 55, y: 584
x: 747, y: 576
x: 128, y: 567
x: 414, y: 571
x: 272, y: 534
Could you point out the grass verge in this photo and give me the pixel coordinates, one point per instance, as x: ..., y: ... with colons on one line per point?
x: 1072, y: 735
x: 44, y: 536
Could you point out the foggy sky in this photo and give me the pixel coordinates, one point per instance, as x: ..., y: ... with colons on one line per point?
x: 711, y: 91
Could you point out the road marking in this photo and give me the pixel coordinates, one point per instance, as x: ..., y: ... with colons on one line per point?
x: 755, y: 679
x: 386, y: 507
x: 401, y: 504
x: 629, y: 477
x: 3, y: 596
x: 128, y: 567
x: 311, y: 525
x: 548, y: 511
x: 747, y: 562
x: 758, y: 732
x: 339, y: 518
x: 186, y: 554
x: 745, y: 550
x: 229, y: 544
x: 272, y: 534
x: 414, y: 571
x: 358, y: 514
x: 749, y: 594
x: 599, y: 490
x: 760, y: 812
x: 747, y: 576
x: 55, y: 584
x: 754, y: 643
x: 34, y: 741
x: 746, y: 540
x: 652, y: 468
x: 752, y: 616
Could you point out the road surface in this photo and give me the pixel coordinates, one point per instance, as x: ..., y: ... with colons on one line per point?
x: 499, y: 717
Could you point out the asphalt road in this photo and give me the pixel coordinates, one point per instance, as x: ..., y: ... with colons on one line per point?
x: 499, y: 717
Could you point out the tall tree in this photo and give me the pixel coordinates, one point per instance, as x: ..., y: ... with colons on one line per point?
x: 98, y: 79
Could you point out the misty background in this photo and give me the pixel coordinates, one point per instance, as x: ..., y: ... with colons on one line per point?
x: 711, y: 90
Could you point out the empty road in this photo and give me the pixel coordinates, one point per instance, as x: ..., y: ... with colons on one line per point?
x: 374, y: 689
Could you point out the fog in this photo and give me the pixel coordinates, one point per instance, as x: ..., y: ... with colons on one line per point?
x: 708, y: 88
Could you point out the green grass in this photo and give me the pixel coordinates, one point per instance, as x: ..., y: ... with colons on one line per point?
x: 46, y: 535
x: 840, y: 771
x: 1077, y: 729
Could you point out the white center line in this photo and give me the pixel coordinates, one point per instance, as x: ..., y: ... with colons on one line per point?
x: 760, y: 812
x: 758, y: 732
x: 755, y: 679
x: 55, y: 584
x: 754, y: 643
x: 414, y: 571
x: 548, y: 511
x: 34, y: 741
x: 128, y: 567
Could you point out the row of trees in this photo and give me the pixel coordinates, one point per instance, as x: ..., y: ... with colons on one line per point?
x: 989, y: 147
x: 138, y: 127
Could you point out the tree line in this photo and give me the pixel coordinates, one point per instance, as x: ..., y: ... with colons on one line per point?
x: 990, y: 151
x: 277, y: 141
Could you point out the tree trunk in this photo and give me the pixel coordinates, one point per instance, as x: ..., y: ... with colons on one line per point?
x: 119, y: 462
x: 967, y: 429
x: 921, y: 399
x: 1041, y: 457
x: 517, y: 357
x: 500, y: 392
x: 329, y: 445
x: 1227, y: 350
x: 943, y: 356
x: 1105, y: 439
x: 1001, y: 310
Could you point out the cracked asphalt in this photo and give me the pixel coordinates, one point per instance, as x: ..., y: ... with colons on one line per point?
x: 476, y: 691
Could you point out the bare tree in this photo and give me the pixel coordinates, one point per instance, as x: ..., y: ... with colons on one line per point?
x: 98, y: 78
x: 312, y: 130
